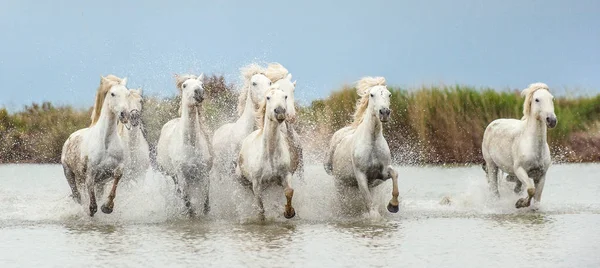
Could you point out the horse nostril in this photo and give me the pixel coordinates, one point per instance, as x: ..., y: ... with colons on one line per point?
x: 122, y: 114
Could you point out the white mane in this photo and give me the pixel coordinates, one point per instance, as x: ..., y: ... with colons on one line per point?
x: 276, y: 72
x: 247, y: 73
x: 362, y: 89
x: 528, y: 94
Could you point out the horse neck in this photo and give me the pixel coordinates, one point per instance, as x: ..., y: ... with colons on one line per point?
x: 370, y: 126
x: 249, y: 114
x: 107, y: 124
x: 536, y: 129
x: 189, y: 120
x: 271, y: 136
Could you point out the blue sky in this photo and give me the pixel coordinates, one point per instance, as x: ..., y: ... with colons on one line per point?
x: 56, y: 50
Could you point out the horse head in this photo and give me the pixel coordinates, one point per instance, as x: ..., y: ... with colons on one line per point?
x: 116, y: 100
x: 539, y: 104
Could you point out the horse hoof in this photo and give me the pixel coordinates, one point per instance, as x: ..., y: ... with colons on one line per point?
x: 393, y: 209
x: 289, y: 215
x: 106, y: 209
x: 93, y: 211
x: 521, y: 203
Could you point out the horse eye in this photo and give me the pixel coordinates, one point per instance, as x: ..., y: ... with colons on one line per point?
x: 372, y: 95
x: 268, y: 98
x: 390, y: 95
x: 537, y: 100
x: 286, y: 97
x: 184, y: 85
x: 112, y: 94
x: 269, y: 83
x: 254, y: 83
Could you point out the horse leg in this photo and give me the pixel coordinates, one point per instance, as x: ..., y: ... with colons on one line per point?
x: 289, y: 211
x: 257, y: 190
x: 393, y: 206
x: 539, y: 187
x: 363, y: 186
x: 492, y: 176
x: 205, y: 193
x: 91, y: 185
x: 185, y: 195
x: 518, y: 185
x: 524, y: 178
x: 71, y: 179
x: 107, y: 207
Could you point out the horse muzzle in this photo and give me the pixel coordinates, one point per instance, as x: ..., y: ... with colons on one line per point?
x: 135, y: 117
x: 280, y: 114
x: 124, y: 117
x: 384, y: 115
x: 551, y: 121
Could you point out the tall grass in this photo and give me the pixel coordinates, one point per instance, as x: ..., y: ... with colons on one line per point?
x: 437, y: 124
x: 445, y: 124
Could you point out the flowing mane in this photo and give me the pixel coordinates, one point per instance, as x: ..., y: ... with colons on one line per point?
x: 105, y: 84
x: 247, y: 73
x: 180, y: 79
x: 276, y: 72
x: 362, y: 88
x: 528, y: 94
x: 262, y: 109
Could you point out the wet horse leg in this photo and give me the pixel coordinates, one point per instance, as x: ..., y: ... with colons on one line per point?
x: 361, y: 179
x: 205, y: 190
x: 394, y: 203
x: 257, y: 190
x: 71, y: 179
x: 524, y: 178
x: 107, y: 207
x: 539, y: 187
x: 492, y: 176
x: 289, y: 211
x: 91, y: 187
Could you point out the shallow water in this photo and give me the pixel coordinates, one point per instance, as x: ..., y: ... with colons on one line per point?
x: 41, y: 226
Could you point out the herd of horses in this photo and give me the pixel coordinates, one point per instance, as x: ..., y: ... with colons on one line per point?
x: 262, y: 148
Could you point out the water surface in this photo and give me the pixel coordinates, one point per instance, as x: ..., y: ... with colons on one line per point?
x: 41, y: 226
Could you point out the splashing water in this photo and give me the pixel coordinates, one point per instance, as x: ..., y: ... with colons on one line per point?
x: 39, y: 193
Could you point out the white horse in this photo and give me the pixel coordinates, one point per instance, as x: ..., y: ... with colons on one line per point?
x: 358, y: 154
x: 138, y: 153
x: 227, y: 139
x: 519, y: 147
x: 280, y: 76
x: 264, y: 158
x: 91, y: 156
x: 183, y: 150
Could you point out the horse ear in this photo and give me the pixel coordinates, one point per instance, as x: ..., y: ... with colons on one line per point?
x: 124, y: 82
x: 289, y: 77
x: 294, y: 83
x: 140, y: 91
x: 103, y: 79
x: 201, y: 77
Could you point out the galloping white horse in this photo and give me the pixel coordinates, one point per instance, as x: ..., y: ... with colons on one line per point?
x: 280, y: 76
x: 183, y: 150
x: 265, y: 158
x: 358, y: 154
x: 227, y: 139
x: 91, y: 156
x: 519, y: 147
x: 138, y: 153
